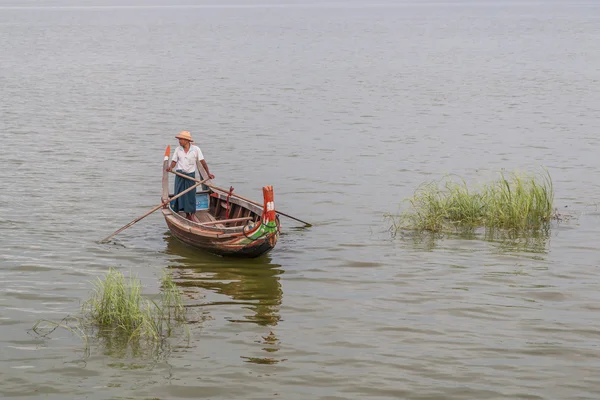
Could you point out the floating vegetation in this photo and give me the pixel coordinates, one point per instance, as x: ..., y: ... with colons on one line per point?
x: 515, y: 202
x: 119, y: 316
x: 262, y: 360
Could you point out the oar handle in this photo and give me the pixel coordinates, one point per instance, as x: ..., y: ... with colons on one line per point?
x: 236, y: 195
x: 151, y: 211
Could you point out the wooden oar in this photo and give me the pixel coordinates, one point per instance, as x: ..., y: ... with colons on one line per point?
x: 238, y: 196
x: 151, y: 211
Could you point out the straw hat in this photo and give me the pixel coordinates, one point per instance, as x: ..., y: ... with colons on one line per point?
x: 185, y: 135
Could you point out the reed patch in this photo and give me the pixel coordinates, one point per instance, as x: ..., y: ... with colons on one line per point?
x: 514, y: 202
x: 120, y: 317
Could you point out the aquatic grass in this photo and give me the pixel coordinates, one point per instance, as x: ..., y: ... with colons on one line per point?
x: 464, y: 208
x: 116, y: 304
x: 118, y: 315
x: 517, y: 202
x: 520, y: 202
x: 171, y: 299
x: 71, y: 324
x: 429, y: 205
x: 118, y: 307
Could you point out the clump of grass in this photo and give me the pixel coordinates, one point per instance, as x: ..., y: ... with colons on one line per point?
x: 514, y: 202
x: 119, y: 315
x: 118, y: 307
x: 520, y: 202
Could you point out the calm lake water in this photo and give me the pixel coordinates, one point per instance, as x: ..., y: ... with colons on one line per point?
x: 345, y: 108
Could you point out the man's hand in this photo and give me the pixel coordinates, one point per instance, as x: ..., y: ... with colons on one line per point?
x: 211, y: 176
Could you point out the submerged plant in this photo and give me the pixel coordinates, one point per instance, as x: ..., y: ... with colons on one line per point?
x: 119, y: 315
x: 513, y: 202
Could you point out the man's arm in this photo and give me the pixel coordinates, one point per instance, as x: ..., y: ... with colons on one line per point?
x: 203, y: 162
x: 170, y: 167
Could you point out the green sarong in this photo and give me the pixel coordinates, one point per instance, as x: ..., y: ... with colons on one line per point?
x: 187, y: 202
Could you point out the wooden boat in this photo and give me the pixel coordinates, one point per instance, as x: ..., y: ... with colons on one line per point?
x: 226, y: 224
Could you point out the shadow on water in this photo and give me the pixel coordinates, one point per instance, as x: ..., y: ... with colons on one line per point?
x: 252, y: 283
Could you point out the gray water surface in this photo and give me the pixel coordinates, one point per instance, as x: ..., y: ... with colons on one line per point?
x: 345, y: 108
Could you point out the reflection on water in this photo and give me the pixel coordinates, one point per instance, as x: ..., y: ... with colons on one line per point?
x: 535, y: 241
x: 420, y: 241
x: 253, y: 283
x: 512, y: 242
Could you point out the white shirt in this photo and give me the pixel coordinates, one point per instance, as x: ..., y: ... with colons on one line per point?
x: 187, y: 161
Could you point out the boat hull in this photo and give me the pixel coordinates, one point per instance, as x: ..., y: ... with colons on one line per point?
x: 220, y: 243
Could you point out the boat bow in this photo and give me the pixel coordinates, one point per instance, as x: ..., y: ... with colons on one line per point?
x: 268, y: 226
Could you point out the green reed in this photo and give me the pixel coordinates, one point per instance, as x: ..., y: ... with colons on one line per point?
x: 120, y: 316
x: 517, y: 202
x: 520, y: 202
x: 118, y: 307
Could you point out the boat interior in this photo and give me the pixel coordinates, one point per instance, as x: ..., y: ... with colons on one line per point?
x: 213, y: 210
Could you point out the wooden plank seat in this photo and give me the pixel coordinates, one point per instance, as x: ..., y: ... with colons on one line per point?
x: 203, y: 216
x: 225, y: 221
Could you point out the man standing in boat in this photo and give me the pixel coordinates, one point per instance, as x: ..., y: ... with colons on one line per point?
x: 184, y: 161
